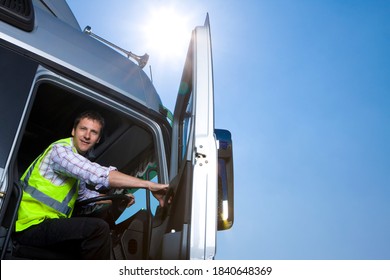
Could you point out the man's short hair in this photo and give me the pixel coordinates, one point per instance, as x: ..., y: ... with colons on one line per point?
x: 92, y: 115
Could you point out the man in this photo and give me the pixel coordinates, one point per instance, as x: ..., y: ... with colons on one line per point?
x: 53, y: 183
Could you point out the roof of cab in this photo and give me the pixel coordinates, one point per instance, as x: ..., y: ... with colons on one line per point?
x: 60, y: 40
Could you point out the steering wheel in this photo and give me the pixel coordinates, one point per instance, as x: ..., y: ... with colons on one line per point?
x: 119, y: 204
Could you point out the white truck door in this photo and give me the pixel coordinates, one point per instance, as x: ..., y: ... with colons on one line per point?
x: 194, y: 156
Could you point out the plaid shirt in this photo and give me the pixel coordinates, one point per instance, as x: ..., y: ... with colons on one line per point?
x: 61, y: 163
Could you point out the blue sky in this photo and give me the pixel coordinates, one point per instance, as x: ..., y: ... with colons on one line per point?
x: 304, y: 88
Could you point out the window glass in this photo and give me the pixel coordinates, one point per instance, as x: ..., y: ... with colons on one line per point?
x: 140, y: 203
x: 140, y: 200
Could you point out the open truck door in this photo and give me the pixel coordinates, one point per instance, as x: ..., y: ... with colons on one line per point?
x: 192, y: 214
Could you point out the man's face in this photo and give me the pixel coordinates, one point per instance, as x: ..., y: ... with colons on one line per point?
x: 86, y: 134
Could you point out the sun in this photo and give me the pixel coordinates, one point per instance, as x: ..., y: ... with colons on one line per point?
x: 167, y: 32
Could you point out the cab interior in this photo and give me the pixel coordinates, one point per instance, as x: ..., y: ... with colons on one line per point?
x: 126, y: 144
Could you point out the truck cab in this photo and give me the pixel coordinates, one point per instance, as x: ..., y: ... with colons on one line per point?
x: 52, y: 70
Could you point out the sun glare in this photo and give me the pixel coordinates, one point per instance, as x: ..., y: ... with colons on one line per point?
x: 167, y: 32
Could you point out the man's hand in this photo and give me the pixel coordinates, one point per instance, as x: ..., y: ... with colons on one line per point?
x: 159, y: 191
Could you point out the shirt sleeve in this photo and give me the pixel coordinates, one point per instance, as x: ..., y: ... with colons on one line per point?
x: 69, y: 163
x: 85, y: 193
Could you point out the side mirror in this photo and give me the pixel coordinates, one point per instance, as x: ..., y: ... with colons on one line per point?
x: 225, y: 179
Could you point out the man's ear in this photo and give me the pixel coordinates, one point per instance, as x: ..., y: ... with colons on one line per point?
x: 72, y: 131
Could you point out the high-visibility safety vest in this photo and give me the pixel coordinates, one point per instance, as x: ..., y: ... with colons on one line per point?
x: 42, y: 199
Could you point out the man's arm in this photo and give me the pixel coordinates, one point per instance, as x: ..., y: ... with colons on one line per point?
x: 120, y: 180
x: 69, y: 163
x: 79, y: 167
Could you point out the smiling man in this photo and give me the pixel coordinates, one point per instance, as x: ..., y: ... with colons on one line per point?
x: 86, y: 132
x: 53, y: 183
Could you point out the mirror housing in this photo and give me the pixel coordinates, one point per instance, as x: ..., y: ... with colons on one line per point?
x: 225, y: 179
